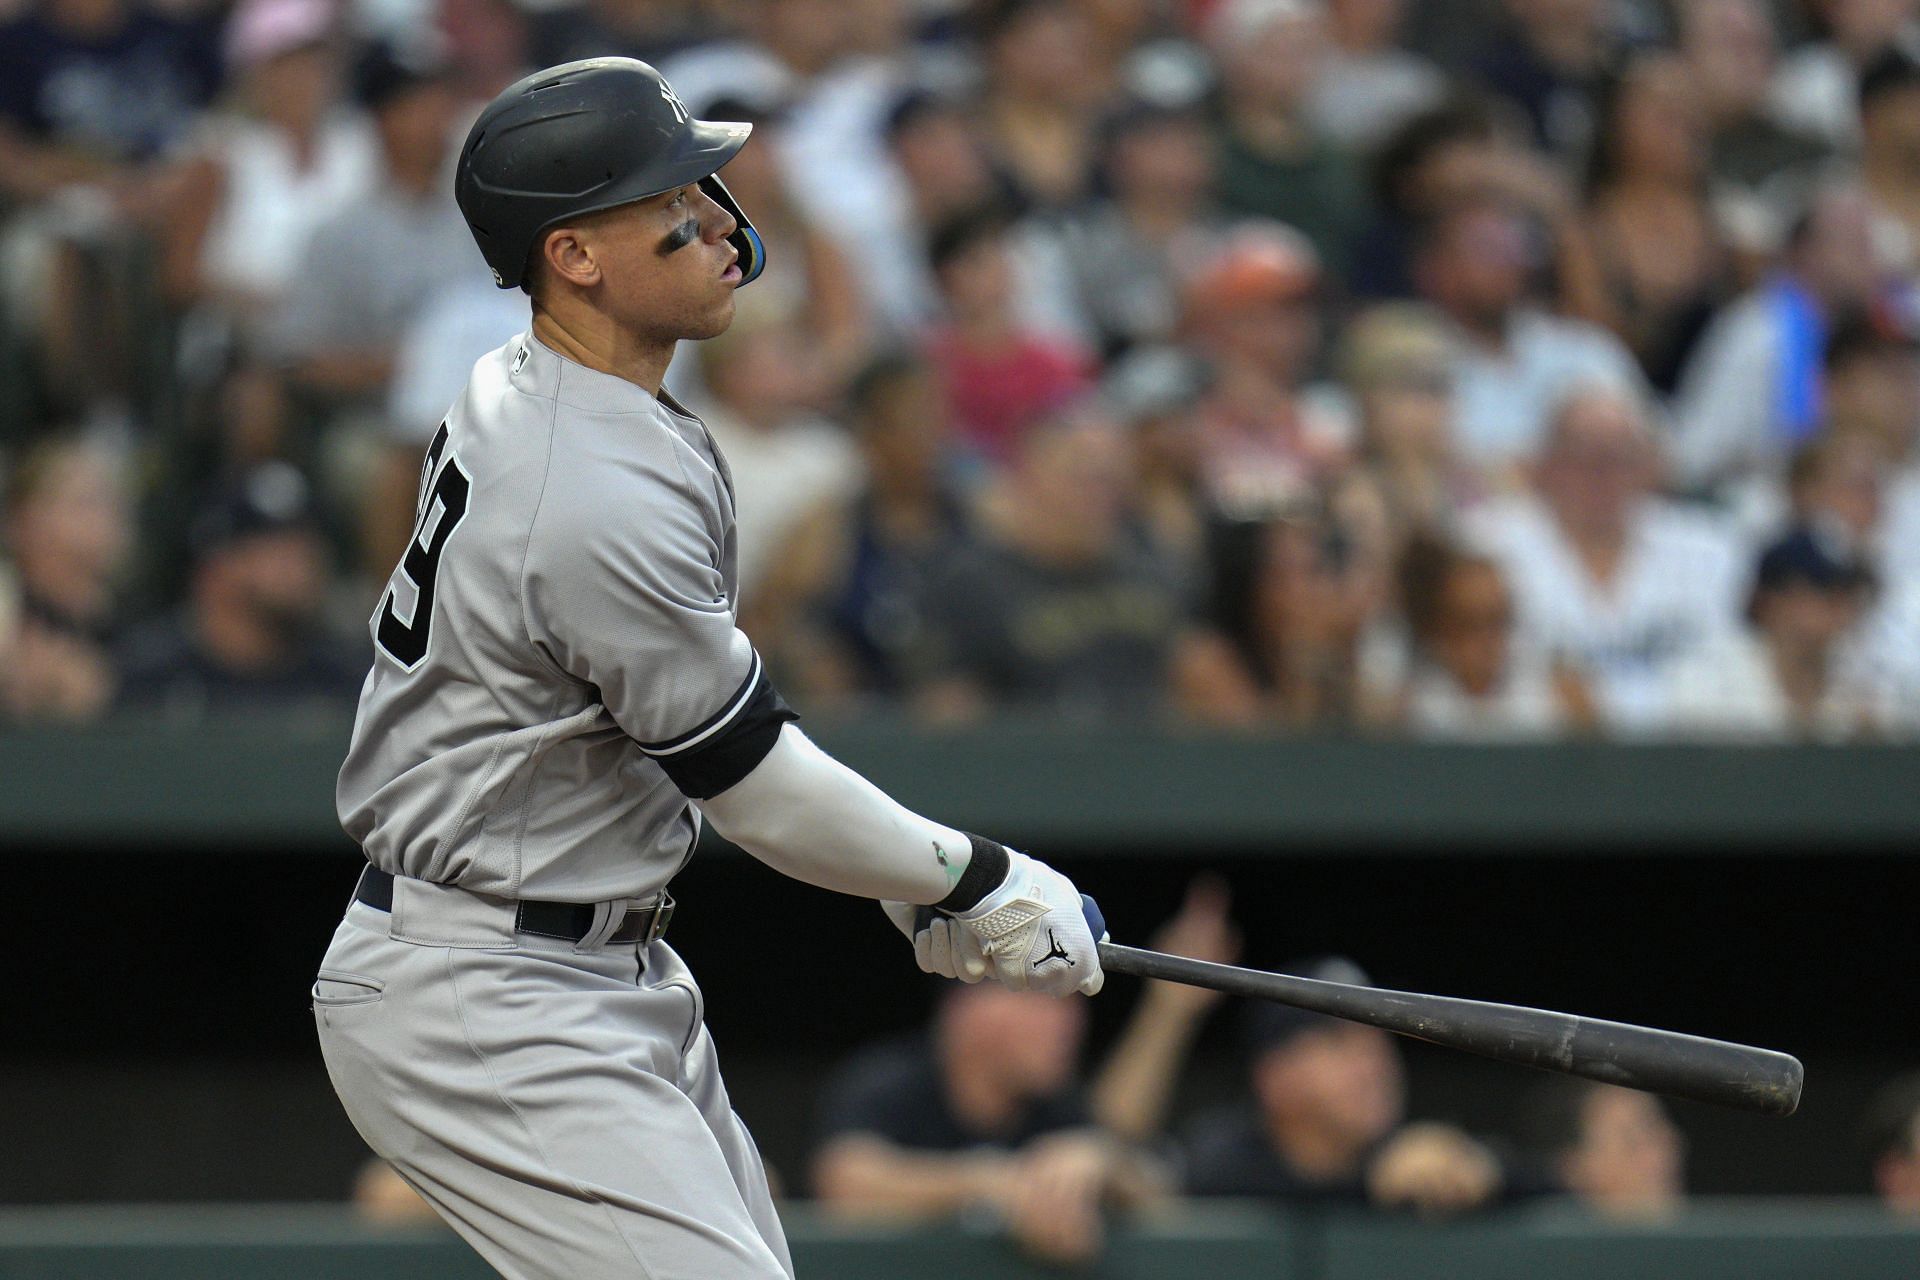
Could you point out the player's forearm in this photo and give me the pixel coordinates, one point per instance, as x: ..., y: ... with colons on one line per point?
x: 808, y: 816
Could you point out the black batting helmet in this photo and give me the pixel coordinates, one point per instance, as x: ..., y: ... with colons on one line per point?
x: 582, y: 137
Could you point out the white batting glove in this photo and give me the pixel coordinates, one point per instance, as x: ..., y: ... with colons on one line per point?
x: 1033, y: 932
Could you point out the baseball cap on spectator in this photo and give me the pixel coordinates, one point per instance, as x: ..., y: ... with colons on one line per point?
x: 271, y: 498
x: 261, y: 30
x: 1254, y: 264
x: 387, y: 70
x: 1266, y: 1025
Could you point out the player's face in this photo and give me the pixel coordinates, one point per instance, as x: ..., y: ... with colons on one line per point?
x: 666, y: 268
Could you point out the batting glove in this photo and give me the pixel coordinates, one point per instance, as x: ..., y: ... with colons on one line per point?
x: 1034, y: 932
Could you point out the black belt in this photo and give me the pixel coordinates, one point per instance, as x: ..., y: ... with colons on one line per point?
x: 568, y: 921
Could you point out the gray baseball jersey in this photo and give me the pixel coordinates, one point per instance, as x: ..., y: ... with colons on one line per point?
x: 557, y: 667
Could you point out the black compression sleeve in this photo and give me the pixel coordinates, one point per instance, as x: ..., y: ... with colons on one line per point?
x: 707, y: 769
x: 985, y: 872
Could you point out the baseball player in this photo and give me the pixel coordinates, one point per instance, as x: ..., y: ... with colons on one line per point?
x: 559, y: 697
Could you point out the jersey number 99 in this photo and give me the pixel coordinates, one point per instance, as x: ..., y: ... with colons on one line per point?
x: 444, y: 489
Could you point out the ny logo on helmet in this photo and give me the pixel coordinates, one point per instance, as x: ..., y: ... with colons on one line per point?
x: 673, y: 100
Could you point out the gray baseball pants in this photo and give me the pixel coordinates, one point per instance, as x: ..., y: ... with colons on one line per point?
x: 560, y: 1105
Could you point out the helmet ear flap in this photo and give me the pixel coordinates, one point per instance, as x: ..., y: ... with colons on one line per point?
x: 753, y: 252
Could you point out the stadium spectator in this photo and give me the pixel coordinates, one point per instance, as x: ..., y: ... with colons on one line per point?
x: 252, y: 638
x: 1817, y: 87
x: 1467, y: 679
x: 794, y: 473
x: 1652, y: 227
x: 1369, y: 84
x: 1156, y: 163
x: 67, y: 523
x: 936, y: 169
x: 1890, y: 146
x: 984, y: 1110
x: 1396, y: 361
x: 454, y: 325
x: 1042, y: 97
x: 1273, y: 161
x: 1251, y: 313
x: 1547, y: 59
x: 1290, y: 605
x: 94, y: 94
x: 809, y: 276
x: 1784, y: 678
x: 1135, y: 1088
x: 1834, y: 488
x: 1892, y: 1133
x: 266, y: 174
x: 1614, y: 1149
x: 1154, y: 391
x: 1731, y: 51
x: 1326, y: 1122
x: 1515, y: 360
x: 91, y: 88
x: 904, y: 523
x: 1054, y: 607
x: 1751, y: 390
x: 368, y: 266
x: 1615, y: 583
x: 998, y: 374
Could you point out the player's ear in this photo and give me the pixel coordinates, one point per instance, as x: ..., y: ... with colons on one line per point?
x: 570, y: 257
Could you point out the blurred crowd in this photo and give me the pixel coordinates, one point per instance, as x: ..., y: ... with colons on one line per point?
x: 1469, y: 369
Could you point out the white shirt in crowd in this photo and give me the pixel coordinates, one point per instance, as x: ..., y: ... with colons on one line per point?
x: 781, y: 477
x: 1502, y: 403
x: 1524, y: 708
x: 270, y: 206
x: 1681, y: 584
x: 1361, y: 98
x: 457, y: 324
x: 1729, y: 691
x: 1883, y: 658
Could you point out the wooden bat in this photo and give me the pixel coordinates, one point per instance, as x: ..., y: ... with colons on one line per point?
x: 1681, y: 1066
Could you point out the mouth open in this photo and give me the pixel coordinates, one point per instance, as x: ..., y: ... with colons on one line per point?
x: 732, y: 274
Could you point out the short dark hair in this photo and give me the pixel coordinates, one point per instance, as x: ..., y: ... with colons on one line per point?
x: 887, y: 369
x: 1466, y: 117
x: 966, y: 231
x: 1427, y: 564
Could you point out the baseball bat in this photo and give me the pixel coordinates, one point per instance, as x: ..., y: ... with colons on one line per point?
x: 1669, y: 1062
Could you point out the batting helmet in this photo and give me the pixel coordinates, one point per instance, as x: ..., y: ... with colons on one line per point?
x: 582, y: 137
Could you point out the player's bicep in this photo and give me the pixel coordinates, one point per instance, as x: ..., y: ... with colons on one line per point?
x: 648, y: 624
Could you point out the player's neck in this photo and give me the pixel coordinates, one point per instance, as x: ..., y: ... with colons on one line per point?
x: 589, y: 338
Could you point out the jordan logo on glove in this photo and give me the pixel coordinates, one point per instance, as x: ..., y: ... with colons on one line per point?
x: 1054, y: 952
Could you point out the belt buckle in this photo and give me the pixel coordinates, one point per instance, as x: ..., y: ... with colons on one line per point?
x: 662, y: 917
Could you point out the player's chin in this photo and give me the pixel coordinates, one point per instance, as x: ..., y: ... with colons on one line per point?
x: 718, y: 317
